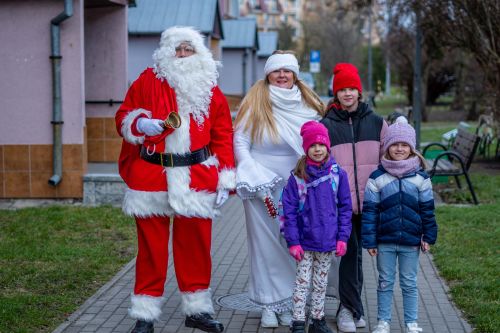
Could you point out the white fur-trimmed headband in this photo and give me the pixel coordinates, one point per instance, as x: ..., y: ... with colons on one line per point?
x: 278, y: 61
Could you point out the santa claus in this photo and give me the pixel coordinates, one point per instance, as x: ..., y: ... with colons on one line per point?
x: 177, y: 161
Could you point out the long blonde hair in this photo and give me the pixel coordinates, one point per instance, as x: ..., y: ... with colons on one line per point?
x: 258, y: 101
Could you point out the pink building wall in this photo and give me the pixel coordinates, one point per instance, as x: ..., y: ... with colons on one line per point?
x: 93, y: 46
x: 26, y: 77
x: 105, y: 58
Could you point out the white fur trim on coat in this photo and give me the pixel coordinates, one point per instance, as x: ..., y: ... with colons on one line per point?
x: 197, y: 302
x: 146, y: 203
x: 186, y: 201
x: 227, y: 179
x: 182, y: 198
x: 145, y: 307
x: 127, y: 126
x: 212, y: 160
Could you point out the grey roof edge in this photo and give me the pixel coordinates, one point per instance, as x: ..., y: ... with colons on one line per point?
x: 247, y: 44
x: 211, y: 30
x: 268, y: 43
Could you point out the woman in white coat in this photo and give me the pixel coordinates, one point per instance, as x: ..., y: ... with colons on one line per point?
x: 267, y: 146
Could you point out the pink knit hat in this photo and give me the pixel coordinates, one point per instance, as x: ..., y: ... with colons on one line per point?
x: 400, y: 131
x: 313, y: 132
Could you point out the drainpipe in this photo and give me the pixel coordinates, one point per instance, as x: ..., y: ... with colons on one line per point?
x: 55, y: 43
x: 244, y: 76
x: 254, y: 66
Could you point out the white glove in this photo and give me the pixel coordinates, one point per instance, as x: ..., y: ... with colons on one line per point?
x: 150, y: 127
x: 222, y: 196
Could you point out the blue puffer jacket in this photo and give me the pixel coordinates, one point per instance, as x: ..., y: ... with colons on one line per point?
x: 326, y: 215
x: 398, y: 210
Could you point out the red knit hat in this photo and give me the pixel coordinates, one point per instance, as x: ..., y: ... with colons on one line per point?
x: 346, y: 75
x: 314, y: 132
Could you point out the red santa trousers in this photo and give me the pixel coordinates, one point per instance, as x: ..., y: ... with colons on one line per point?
x: 191, y: 244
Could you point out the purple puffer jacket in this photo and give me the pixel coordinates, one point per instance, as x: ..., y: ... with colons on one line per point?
x: 324, y: 218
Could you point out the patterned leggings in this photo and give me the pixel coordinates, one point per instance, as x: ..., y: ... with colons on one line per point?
x: 315, y: 265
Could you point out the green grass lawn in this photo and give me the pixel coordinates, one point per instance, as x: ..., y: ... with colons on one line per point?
x: 52, y: 259
x: 467, y: 254
x: 387, y: 104
x: 433, y: 132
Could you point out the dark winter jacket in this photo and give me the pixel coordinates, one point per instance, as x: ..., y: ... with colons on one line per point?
x: 326, y: 215
x: 398, y: 210
x: 356, y: 139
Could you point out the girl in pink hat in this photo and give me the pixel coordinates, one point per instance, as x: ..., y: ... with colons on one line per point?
x: 316, y: 223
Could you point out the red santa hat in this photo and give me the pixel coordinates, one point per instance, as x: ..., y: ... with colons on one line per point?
x: 346, y: 76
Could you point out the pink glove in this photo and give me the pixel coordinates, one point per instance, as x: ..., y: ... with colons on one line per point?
x: 296, y: 252
x: 341, y: 249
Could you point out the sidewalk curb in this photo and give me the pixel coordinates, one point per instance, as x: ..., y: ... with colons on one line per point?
x: 460, y: 314
x: 74, y: 316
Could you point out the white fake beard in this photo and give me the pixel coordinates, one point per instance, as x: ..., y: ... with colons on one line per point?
x: 192, y: 78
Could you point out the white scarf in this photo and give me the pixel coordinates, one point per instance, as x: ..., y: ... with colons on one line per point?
x: 290, y: 113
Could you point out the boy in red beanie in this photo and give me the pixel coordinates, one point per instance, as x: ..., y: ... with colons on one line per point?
x: 356, y: 134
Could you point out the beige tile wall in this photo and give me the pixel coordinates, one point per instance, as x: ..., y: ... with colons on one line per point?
x: 103, y: 141
x: 26, y: 169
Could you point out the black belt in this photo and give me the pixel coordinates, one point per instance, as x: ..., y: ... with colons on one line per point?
x: 175, y: 160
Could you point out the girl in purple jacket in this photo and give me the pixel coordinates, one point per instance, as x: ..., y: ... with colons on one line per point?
x: 317, y: 214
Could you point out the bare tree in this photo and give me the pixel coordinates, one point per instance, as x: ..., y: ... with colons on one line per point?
x: 285, y: 37
x: 335, y: 28
x: 474, y: 27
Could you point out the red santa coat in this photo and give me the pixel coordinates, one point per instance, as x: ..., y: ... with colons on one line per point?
x: 167, y: 191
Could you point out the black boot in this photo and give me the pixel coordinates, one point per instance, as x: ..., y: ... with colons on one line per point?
x: 319, y: 326
x: 142, y: 326
x: 298, y: 326
x: 204, y: 322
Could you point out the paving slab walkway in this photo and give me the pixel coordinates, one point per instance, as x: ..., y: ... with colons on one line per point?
x: 106, y: 311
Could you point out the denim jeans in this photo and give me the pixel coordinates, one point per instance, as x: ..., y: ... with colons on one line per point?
x: 407, y: 259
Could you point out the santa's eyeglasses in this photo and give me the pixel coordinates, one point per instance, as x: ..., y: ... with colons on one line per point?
x: 185, y: 48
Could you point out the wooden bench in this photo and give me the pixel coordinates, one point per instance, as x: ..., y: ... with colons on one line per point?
x: 456, y: 160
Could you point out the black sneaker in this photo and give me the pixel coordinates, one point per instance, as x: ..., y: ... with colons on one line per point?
x: 298, y: 326
x: 204, y: 322
x: 142, y: 326
x: 319, y: 326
